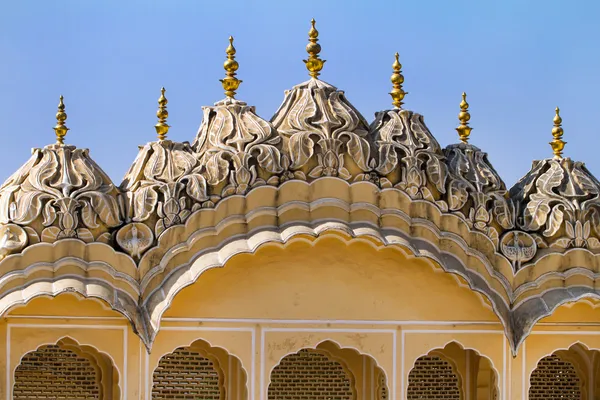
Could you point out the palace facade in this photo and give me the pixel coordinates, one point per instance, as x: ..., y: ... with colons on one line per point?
x: 314, y: 255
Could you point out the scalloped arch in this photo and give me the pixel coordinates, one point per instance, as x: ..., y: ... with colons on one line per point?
x: 80, y: 346
x: 530, y: 311
x: 158, y: 301
x: 210, y: 345
x: 452, y: 362
x: 118, y: 300
x: 338, y: 347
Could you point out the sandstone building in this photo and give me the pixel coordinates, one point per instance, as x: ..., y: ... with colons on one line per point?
x: 310, y: 256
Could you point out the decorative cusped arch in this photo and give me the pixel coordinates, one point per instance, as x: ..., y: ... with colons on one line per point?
x: 336, y: 356
x: 532, y: 309
x: 93, y: 270
x: 442, y: 352
x: 577, y: 365
x: 212, y: 361
x: 103, y: 364
x: 241, y: 224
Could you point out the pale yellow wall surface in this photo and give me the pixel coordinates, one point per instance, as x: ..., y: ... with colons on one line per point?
x: 382, y: 309
x: 328, y: 279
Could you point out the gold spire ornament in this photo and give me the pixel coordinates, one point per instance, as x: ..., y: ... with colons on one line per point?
x: 557, y: 132
x: 230, y: 82
x: 397, y: 79
x: 161, y: 127
x: 314, y: 64
x: 464, y: 130
x: 61, y: 129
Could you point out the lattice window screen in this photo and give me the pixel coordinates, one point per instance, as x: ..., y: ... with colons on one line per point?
x: 433, y: 378
x: 52, y: 373
x: 186, y: 374
x: 310, y: 375
x: 554, y: 378
x: 382, y: 390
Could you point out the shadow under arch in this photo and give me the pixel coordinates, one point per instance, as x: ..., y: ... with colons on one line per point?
x: 199, y: 368
x: 455, y: 354
x: 155, y: 304
x: 342, y: 363
x: 104, y: 366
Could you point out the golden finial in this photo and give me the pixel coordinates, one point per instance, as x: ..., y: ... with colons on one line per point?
x: 60, y: 128
x: 397, y: 79
x: 161, y: 127
x: 464, y: 130
x: 557, y: 143
x: 230, y: 82
x: 314, y: 64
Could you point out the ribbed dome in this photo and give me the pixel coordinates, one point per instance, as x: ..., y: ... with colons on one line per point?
x: 59, y: 193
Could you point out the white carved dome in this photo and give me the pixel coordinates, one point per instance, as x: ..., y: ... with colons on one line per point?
x: 59, y: 193
x: 474, y: 188
x: 558, y: 202
x: 323, y: 134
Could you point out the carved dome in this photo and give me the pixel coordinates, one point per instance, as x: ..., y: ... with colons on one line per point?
x: 321, y: 131
x: 475, y: 189
x: 237, y: 149
x: 59, y: 193
x: 558, y: 201
x: 162, y: 188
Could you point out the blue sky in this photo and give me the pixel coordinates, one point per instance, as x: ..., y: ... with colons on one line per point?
x: 516, y: 59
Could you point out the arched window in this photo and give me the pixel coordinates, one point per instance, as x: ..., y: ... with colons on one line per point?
x: 433, y: 378
x: 187, y: 373
x: 310, y: 374
x: 555, y: 378
x: 53, y: 372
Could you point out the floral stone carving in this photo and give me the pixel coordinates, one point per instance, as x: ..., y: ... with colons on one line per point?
x: 323, y: 133
x: 518, y: 247
x: 162, y: 187
x: 558, y: 203
x: 476, y: 191
x: 236, y: 149
x: 409, y: 156
x: 60, y: 193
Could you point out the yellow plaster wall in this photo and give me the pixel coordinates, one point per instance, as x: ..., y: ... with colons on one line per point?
x: 377, y: 305
x: 329, y: 279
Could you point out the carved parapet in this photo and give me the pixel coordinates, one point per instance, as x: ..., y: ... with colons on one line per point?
x: 476, y: 191
x: 162, y: 188
x: 59, y: 193
x: 557, y: 202
x: 409, y: 157
x: 236, y: 149
x: 323, y: 134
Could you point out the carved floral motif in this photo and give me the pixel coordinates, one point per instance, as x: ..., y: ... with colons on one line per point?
x: 559, y: 202
x: 135, y: 238
x: 323, y: 134
x: 237, y: 149
x: 162, y: 186
x: 61, y: 193
x: 409, y: 156
x: 476, y: 191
